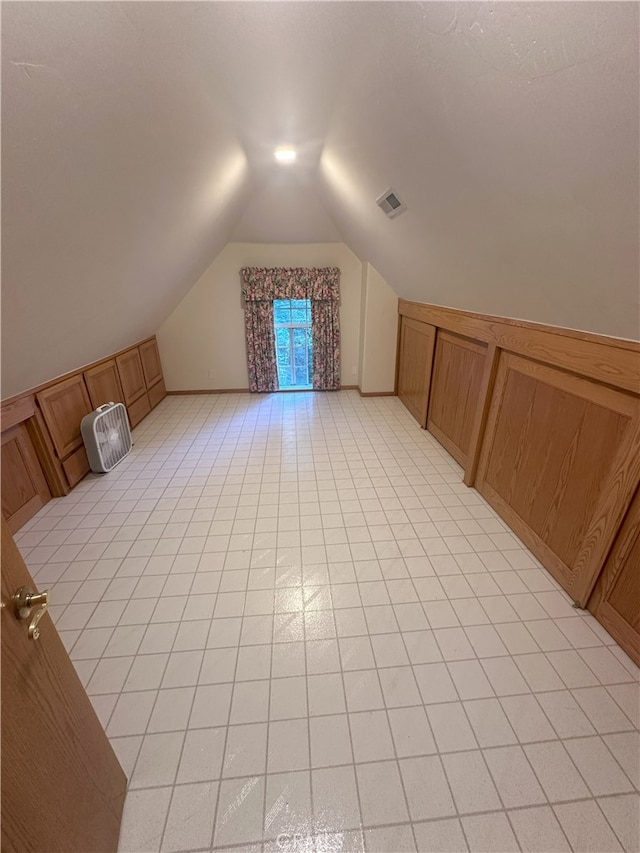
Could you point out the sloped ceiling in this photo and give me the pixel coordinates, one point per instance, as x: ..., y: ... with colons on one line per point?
x: 137, y: 140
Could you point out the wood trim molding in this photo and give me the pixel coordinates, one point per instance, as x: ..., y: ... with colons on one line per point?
x: 613, y: 361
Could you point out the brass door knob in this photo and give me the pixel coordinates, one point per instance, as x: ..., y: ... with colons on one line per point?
x: 25, y: 601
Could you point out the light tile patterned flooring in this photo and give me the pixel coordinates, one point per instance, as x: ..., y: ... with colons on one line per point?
x: 302, y: 632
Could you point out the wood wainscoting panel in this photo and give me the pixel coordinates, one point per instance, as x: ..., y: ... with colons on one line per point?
x: 150, y: 358
x: 456, y: 382
x: 551, y: 450
x: 616, y: 599
x: 131, y: 375
x: 103, y: 384
x: 415, y: 357
x: 24, y: 487
x: 63, y: 406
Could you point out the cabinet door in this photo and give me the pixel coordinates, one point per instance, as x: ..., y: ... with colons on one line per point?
x: 131, y: 375
x: 616, y: 599
x: 558, y: 464
x: 63, y: 406
x: 414, y: 366
x: 150, y: 362
x: 24, y: 488
x: 103, y: 384
x: 458, y: 366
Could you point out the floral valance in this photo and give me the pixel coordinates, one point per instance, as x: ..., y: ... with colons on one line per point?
x: 268, y: 283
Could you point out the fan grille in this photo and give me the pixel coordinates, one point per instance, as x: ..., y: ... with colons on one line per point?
x: 112, y: 436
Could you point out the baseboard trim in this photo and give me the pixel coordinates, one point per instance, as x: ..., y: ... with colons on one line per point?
x: 283, y: 391
x: 208, y: 391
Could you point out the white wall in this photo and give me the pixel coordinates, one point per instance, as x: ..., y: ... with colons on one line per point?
x: 202, y: 343
x: 379, y: 334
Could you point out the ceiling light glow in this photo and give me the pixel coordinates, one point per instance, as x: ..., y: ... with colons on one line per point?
x: 285, y: 154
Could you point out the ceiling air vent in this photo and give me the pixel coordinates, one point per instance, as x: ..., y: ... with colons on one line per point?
x: 390, y: 204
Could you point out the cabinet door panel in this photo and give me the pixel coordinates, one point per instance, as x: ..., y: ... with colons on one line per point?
x: 138, y: 410
x: 63, y: 406
x: 131, y: 375
x: 103, y: 384
x: 414, y: 366
x: 157, y: 393
x: 24, y: 488
x: 150, y: 362
x: 557, y: 464
x: 616, y: 599
x: 458, y: 367
x: 76, y: 466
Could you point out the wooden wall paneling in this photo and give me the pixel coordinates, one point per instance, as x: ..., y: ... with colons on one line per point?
x: 613, y: 361
x: 139, y: 409
x: 615, y: 601
x: 156, y: 393
x: 63, y: 406
x: 550, y: 452
x: 24, y: 486
x: 482, y: 412
x: 103, y: 384
x: 458, y: 368
x: 417, y: 342
x: 131, y: 375
x: 150, y: 358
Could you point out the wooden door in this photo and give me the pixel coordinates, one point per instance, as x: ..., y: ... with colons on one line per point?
x: 616, y: 599
x: 415, y: 356
x: 131, y: 375
x: 150, y: 358
x: 62, y: 786
x: 63, y: 406
x: 24, y: 487
x: 458, y: 368
x: 103, y: 384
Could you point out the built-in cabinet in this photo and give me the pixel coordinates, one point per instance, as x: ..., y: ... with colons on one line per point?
x: 43, y: 452
x: 546, y: 424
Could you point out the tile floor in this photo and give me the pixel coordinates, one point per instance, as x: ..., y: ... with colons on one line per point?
x: 302, y: 632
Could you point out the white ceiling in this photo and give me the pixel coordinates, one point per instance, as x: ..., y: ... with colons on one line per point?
x: 137, y: 141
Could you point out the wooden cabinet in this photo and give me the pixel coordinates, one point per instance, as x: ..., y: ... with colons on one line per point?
x: 103, y: 384
x: 616, y: 599
x: 414, y: 366
x: 24, y: 487
x: 63, y: 406
x: 557, y: 464
x: 131, y: 375
x: 150, y: 358
x: 456, y: 383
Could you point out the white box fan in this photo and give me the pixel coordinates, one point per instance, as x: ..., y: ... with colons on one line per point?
x: 107, y: 436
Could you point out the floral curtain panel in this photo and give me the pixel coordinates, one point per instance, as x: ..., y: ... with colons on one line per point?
x: 261, y: 346
x: 321, y: 285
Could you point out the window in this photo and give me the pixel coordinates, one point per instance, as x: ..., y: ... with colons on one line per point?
x: 292, y: 323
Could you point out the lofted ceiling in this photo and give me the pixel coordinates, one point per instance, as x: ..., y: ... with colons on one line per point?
x: 137, y: 141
